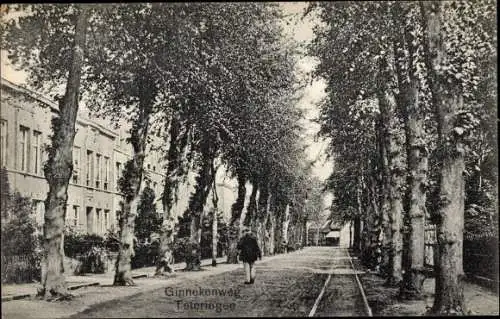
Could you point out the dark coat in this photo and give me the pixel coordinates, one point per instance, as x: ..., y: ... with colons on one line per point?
x: 249, y: 249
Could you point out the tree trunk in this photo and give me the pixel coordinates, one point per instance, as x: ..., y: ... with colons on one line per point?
x: 278, y: 230
x: 371, y: 253
x: 173, y: 159
x: 58, y: 171
x: 167, y: 232
x: 167, y: 235
x: 238, y: 205
x: 214, y: 240
x: 317, y: 236
x: 416, y: 150
x: 261, y: 216
x: 252, y: 205
x: 193, y: 248
x: 215, y: 202
x: 304, y: 233
x: 299, y: 231
x: 291, y: 236
x: 197, y: 202
x: 393, y: 172
x: 286, y: 221
x: 357, y: 218
x: 232, y: 253
x: 130, y: 185
x: 383, y: 139
x: 396, y: 215
x: 356, y: 242
x: 236, y: 211
x: 267, y: 237
x: 448, y: 101
x: 385, y: 186
x: 272, y: 228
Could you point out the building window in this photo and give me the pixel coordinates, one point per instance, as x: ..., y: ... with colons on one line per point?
x: 90, y: 167
x: 106, y: 173
x: 75, y: 215
x: 149, y: 166
x: 90, y: 220
x: 76, y: 165
x: 155, y: 187
x: 36, y: 155
x: 98, y: 225
x: 3, y: 142
x: 98, y: 170
x: 117, y: 174
x: 106, y: 219
x: 23, y: 148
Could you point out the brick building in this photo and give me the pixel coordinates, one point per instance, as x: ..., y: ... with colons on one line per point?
x: 99, y: 155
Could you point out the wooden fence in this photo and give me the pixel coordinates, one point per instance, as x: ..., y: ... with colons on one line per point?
x: 480, y: 254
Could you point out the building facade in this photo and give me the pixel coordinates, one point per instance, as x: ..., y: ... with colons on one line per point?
x: 99, y: 155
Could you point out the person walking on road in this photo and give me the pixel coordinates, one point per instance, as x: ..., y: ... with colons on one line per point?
x: 249, y: 251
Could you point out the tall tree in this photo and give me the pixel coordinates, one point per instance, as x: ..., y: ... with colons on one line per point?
x: 50, y: 43
x: 215, y: 218
x: 236, y: 211
x: 135, y: 89
x: 412, y: 104
x: 130, y: 183
x: 453, y: 43
x: 393, y: 169
x: 236, y: 118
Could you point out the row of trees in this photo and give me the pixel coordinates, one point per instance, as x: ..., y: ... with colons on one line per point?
x: 216, y: 81
x: 411, y: 98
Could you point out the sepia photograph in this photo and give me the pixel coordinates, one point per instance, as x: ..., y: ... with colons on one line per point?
x: 249, y: 159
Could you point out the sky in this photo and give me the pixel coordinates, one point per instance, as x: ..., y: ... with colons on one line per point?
x: 301, y: 30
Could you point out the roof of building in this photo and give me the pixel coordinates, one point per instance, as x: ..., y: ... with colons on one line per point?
x: 333, y: 234
x: 54, y: 107
x: 330, y: 225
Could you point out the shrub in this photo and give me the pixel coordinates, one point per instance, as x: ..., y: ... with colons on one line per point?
x: 147, y: 220
x: 89, y: 249
x: 180, y: 245
x: 77, y: 243
x: 18, y: 228
x: 145, y: 255
x: 481, y: 256
x: 206, y: 236
x: 111, y: 240
x: 20, y: 246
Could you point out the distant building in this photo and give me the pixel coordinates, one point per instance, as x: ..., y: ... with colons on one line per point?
x: 330, y: 234
x: 99, y: 155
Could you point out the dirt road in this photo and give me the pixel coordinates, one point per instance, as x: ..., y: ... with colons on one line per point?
x: 286, y: 285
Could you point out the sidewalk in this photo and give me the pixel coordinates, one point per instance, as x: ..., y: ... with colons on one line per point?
x: 384, y: 301
x: 21, y: 291
x: 478, y: 300
x: 91, y: 296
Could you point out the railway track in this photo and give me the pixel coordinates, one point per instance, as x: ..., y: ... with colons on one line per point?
x: 340, y: 284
